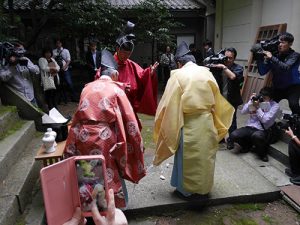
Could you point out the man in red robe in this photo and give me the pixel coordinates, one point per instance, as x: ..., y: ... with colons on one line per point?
x: 105, y: 123
x: 141, y: 84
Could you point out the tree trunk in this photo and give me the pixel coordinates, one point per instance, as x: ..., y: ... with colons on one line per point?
x: 11, y: 12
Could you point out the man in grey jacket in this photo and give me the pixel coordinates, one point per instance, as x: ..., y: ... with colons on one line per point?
x: 17, y: 74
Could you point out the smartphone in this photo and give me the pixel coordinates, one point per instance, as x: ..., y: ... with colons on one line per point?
x: 91, y: 183
x: 74, y: 182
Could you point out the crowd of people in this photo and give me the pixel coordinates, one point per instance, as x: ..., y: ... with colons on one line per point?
x: 52, y: 69
x: 198, y: 99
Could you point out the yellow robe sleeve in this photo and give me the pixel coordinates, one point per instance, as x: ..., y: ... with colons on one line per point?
x: 168, y: 121
x: 222, y: 113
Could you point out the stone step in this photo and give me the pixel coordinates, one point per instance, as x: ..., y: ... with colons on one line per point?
x: 8, y: 116
x: 25, y: 109
x: 35, y: 212
x: 279, y: 151
x: 235, y: 181
x: 273, y: 170
x: 13, y: 145
x: 16, y: 188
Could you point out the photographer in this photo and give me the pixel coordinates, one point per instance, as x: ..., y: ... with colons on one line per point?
x: 208, y: 50
x: 294, y: 157
x: 262, y: 111
x: 234, y: 75
x: 17, y: 74
x: 63, y: 59
x: 285, y: 69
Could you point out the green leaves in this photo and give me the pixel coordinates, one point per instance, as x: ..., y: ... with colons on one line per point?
x: 3, y: 23
x: 84, y: 18
x: 154, y: 21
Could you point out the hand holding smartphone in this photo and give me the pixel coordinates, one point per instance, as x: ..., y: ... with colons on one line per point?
x: 76, y: 181
x: 91, y: 185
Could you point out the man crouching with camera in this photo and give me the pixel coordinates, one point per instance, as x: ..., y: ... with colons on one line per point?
x: 17, y: 73
x: 255, y: 135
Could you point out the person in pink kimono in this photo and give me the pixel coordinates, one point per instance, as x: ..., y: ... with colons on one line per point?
x: 104, y: 123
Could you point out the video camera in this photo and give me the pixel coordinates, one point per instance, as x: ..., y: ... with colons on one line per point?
x: 292, y: 121
x: 7, y: 50
x: 270, y: 45
x: 217, y: 58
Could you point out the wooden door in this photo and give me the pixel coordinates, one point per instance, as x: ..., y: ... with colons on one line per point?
x: 253, y: 81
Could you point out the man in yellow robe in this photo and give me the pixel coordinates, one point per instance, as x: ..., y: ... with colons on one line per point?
x: 191, y: 119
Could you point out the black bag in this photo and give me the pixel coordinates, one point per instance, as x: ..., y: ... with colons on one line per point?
x: 61, y: 129
x: 273, y: 133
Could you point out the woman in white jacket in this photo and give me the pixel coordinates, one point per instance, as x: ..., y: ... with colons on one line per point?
x: 49, y: 77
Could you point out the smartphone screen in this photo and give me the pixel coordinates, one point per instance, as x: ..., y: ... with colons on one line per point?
x: 91, y: 184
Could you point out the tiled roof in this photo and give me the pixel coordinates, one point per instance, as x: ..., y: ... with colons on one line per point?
x: 171, y: 4
x: 122, y: 4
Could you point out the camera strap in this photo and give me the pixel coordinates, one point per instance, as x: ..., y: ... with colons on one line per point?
x: 59, y: 53
x: 262, y: 125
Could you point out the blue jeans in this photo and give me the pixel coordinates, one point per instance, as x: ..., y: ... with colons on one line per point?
x: 66, y: 78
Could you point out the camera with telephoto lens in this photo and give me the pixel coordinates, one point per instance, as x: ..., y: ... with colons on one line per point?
x: 270, y: 45
x: 7, y: 50
x: 258, y: 98
x: 219, y: 58
x: 292, y: 121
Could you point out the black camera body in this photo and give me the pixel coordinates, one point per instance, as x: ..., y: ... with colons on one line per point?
x: 270, y: 45
x: 7, y: 50
x: 258, y: 98
x: 218, y: 58
x: 60, y: 61
x: 292, y: 121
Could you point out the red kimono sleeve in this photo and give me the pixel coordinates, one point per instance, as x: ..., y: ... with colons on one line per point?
x: 129, y: 155
x: 148, y: 103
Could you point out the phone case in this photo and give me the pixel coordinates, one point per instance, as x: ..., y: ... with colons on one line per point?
x: 60, y: 189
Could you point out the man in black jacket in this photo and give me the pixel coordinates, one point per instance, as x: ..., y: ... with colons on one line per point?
x: 285, y: 69
x: 93, y: 60
x: 235, y: 78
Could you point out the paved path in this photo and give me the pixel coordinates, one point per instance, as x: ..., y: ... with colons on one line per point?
x: 235, y: 180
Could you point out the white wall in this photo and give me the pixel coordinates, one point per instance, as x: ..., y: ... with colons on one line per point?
x: 189, y: 39
x: 237, y: 22
x: 236, y: 26
x: 287, y: 11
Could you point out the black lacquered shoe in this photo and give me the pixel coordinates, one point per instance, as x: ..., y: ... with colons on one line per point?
x: 192, y: 197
